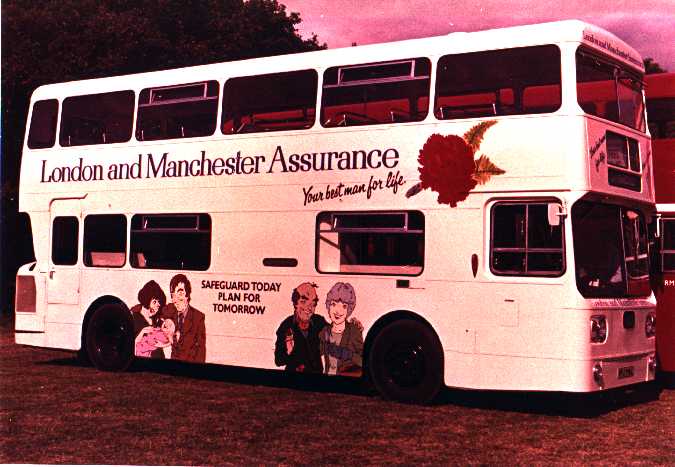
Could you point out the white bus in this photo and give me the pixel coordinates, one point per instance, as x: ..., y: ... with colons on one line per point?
x: 465, y: 210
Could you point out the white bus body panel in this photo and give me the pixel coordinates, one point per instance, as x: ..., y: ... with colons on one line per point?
x: 497, y: 332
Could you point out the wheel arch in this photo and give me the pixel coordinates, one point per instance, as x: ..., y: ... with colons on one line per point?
x: 99, y: 302
x: 393, y: 316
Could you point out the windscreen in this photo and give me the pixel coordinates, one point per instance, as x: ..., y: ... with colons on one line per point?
x: 610, y: 90
x: 610, y: 250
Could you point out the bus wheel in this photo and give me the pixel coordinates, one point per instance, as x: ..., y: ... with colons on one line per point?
x: 406, y: 362
x: 110, y: 338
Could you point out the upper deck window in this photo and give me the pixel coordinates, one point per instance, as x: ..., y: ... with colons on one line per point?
x: 42, y: 132
x: 97, y: 119
x: 609, y: 90
x: 373, y: 93
x: 181, y: 111
x: 661, y: 114
x: 272, y: 102
x: 517, y: 81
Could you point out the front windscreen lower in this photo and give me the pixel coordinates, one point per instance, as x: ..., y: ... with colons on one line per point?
x: 610, y: 250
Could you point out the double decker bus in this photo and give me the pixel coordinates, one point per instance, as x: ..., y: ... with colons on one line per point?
x: 467, y: 210
x: 660, y: 94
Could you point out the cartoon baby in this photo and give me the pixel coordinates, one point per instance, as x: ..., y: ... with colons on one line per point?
x: 160, y: 337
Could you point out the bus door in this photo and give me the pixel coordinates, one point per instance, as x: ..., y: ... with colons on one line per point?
x: 665, y: 295
x: 63, y: 276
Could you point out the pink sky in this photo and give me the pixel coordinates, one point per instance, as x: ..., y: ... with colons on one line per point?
x: 648, y: 26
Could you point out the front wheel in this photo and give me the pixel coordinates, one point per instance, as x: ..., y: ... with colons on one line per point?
x: 406, y: 362
x: 110, y: 338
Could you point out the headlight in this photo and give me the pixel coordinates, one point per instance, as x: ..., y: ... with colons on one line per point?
x: 650, y: 325
x: 598, y: 329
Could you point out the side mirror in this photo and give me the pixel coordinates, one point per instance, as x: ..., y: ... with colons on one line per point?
x: 554, y: 214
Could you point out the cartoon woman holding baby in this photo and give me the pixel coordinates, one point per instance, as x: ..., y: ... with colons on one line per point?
x: 150, y: 338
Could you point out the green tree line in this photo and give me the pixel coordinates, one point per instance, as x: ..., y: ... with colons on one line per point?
x: 49, y: 41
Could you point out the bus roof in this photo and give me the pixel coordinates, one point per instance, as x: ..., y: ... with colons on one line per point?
x: 453, y: 43
x: 660, y: 85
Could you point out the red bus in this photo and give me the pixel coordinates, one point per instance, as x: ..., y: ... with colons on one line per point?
x: 660, y: 93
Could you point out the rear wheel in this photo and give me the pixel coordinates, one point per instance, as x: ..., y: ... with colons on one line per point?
x: 667, y: 378
x: 110, y: 338
x: 406, y: 362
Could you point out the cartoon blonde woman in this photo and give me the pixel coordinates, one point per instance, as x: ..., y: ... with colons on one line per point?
x: 342, y: 340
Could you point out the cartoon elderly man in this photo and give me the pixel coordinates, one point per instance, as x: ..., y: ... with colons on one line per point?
x: 297, y: 344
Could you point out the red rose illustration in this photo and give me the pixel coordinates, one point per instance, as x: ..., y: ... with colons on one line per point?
x: 447, y: 167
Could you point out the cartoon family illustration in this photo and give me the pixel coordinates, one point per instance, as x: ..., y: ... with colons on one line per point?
x: 176, y: 330
x: 306, y: 342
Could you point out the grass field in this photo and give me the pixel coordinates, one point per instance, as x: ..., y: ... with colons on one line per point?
x: 53, y: 409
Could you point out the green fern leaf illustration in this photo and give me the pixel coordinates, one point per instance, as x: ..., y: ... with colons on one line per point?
x: 416, y: 188
x: 474, y: 136
x: 485, y: 169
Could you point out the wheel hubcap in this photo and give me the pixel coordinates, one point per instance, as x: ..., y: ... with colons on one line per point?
x: 405, y: 365
x: 110, y: 340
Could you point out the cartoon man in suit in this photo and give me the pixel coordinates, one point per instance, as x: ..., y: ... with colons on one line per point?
x: 190, y: 339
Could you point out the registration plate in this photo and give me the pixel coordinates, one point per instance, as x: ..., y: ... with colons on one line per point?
x: 626, y: 372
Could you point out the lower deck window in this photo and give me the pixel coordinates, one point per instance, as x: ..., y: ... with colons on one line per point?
x: 370, y: 242
x: 171, y: 241
x: 64, y: 240
x: 105, y: 240
x: 668, y: 245
x: 525, y: 241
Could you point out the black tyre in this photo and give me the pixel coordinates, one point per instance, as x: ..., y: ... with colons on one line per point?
x: 667, y: 379
x: 406, y: 362
x: 110, y: 338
